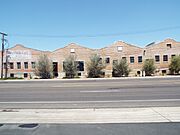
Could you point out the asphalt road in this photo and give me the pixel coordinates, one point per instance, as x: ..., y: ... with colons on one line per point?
x: 91, y: 129
x: 90, y: 93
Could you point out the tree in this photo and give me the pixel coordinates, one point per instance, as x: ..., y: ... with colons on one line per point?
x: 44, y: 67
x: 120, y: 68
x: 70, y: 66
x: 95, y: 66
x: 149, y: 67
x: 174, y: 67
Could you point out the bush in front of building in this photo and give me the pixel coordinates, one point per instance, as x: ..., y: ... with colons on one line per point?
x: 121, y: 68
x: 95, y: 66
x: 70, y: 66
x: 149, y: 67
x: 44, y: 67
x: 174, y: 67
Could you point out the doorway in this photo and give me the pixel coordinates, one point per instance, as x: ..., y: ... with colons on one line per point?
x: 55, y: 69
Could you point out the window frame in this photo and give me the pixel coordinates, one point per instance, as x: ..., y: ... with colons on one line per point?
x: 164, y: 60
x: 132, y: 62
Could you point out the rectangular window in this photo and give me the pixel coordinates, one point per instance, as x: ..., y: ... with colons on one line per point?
x: 11, y: 64
x: 5, y: 65
x: 100, y: 60
x: 80, y: 65
x: 72, y: 50
x: 131, y: 59
x: 25, y: 75
x: 169, y: 45
x: 124, y: 58
x: 115, y: 62
x: 165, y: 57
x: 139, y: 59
x: 12, y: 75
x: 107, y: 60
x: 26, y: 65
x: 119, y: 48
x: 18, y: 65
x: 172, y: 56
x: 33, y: 65
x: 157, y: 58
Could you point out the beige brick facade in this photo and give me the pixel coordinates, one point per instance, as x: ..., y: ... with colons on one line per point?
x: 22, y: 59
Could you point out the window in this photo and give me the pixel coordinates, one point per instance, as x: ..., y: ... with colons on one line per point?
x: 115, y: 62
x: 79, y: 74
x: 157, y: 58
x: 173, y: 55
x: 131, y: 59
x: 107, y: 60
x: 169, y: 45
x: 124, y: 58
x: 139, y: 59
x: 18, y: 65
x: 11, y: 64
x: 33, y: 65
x: 25, y: 75
x: 72, y: 50
x: 119, y: 48
x: 165, y: 57
x: 80, y: 65
x: 26, y: 65
x: 5, y: 65
x: 12, y: 75
x: 100, y: 60
x: 144, y: 52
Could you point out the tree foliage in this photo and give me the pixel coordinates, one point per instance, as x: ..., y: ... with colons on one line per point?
x: 149, y: 67
x: 174, y: 67
x: 121, y: 68
x: 95, y: 66
x: 44, y: 67
x: 70, y: 66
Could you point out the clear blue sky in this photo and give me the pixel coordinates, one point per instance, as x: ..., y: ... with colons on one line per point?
x: 23, y: 19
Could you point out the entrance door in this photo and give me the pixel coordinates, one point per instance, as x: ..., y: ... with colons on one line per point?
x: 55, y: 69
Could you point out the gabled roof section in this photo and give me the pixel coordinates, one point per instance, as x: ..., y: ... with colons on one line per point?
x: 73, y: 45
x: 20, y: 46
x: 168, y: 40
x: 120, y: 43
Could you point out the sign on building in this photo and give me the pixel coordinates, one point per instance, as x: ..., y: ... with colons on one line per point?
x: 19, y: 54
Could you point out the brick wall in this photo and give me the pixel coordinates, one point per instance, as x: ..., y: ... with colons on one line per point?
x: 116, y: 51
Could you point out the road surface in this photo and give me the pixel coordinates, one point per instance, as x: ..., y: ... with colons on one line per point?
x: 91, y: 129
x: 98, y: 93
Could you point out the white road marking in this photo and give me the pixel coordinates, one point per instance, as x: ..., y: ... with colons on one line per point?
x: 71, y: 102
x: 100, y: 91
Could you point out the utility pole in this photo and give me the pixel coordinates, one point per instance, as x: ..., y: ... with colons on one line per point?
x: 2, y: 52
x: 6, y: 68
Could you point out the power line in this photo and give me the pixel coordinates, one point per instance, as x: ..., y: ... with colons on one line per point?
x: 95, y: 35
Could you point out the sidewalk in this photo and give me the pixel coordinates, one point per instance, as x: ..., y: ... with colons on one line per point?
x: 114, y: 115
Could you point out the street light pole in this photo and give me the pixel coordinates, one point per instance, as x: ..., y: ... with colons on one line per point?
x: 2, y: 53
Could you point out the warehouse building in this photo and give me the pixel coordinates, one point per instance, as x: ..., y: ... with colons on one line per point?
x: 21, y: 61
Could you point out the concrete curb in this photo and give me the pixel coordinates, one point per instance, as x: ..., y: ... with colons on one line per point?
x: 116, y: 115
x: 88, y: 79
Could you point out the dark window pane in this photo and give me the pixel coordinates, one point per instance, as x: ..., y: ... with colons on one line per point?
x: 157, y: 58
x: 11, y: 64
x: 131, y: 59
x: 107, y: 60
x: 165, y: 57
x: 33, y: 65
x: 139, y: 59
x: 25, y: 75
x: 80, y: 65
x: 18, y: 65
x: 26, y: 65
